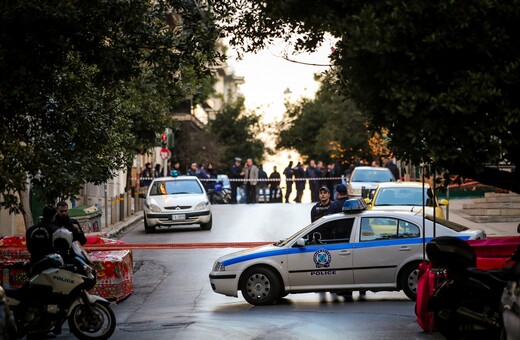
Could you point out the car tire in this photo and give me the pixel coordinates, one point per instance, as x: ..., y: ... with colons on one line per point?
x: 260, y: 286
x: 207, y: 226
x: 408, y: 280
x: 148, y: 229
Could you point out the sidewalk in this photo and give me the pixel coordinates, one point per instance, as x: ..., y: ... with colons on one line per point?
x: 456, y: 214
x: 116, y: 229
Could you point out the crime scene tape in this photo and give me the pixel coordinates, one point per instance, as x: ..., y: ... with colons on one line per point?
x: 259, y: 179
x: 160, y: 246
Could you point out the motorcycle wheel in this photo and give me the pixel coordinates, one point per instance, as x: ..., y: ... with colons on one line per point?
x: 98, y: 324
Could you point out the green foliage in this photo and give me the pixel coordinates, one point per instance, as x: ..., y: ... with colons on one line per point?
x: 88, y: 84
x: 237, y: 131
x: 442, y: 76
x: 327, y: 128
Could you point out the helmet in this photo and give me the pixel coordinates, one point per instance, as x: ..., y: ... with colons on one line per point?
x: 62, y: 239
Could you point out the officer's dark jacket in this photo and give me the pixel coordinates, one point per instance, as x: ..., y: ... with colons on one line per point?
x: 319, y: 210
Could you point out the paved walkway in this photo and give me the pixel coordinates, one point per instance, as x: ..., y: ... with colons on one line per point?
x: 456, y: 214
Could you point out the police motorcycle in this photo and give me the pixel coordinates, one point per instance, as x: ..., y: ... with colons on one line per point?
x: 56, y: 292
x: 466, y: 304
x: 219, y: 194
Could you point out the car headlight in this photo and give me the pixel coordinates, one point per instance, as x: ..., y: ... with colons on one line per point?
x: 154, y: 208
x: 218, y: 267
x: 202, y: 206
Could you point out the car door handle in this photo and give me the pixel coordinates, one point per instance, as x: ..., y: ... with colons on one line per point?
x: 345, y: 252
x: 404, y: 248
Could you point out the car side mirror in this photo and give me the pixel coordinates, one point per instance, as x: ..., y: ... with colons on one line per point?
x: 444, y: 202
x: 300, y: 242
x: 142, y: 195
x: 368, y: 201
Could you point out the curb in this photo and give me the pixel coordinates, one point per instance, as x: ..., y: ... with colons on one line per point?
x: 119, y: 228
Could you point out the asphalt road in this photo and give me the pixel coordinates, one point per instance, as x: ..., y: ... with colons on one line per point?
x: 173, y: 298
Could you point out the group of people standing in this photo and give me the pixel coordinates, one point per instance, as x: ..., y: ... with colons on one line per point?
x: 255, y: 179
x: 148, y: 173
x: 315, y: 173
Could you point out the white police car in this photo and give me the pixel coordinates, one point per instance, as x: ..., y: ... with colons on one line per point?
x: 355, y: 250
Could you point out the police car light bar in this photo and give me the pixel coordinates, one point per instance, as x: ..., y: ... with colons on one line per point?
x: 354, y: 205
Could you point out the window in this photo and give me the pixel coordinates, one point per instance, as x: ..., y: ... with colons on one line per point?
x: 385, y: 228
x: 175, y: 187
x: 337, y: 231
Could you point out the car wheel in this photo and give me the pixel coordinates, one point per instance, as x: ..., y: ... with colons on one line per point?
x: 408, y: 280
x: 260, y: 286
x: 148, y: 229
x: 207, y: 226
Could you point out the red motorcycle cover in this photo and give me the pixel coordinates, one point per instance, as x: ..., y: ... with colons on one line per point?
x: 492, y: 253
x: 426, y: 283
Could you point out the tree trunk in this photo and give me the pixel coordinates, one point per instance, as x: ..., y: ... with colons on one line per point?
x: 25, y: 200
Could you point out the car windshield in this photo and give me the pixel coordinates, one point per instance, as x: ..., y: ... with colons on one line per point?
x: 403, y: 196
x: 175, y: 187
x: 282, y: 243
x: 370, y: 175
x: 448, y: 224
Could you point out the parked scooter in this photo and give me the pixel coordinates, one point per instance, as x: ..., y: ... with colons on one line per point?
x: 57, y: 292
x: 466, y: 305
x: 219, y: 194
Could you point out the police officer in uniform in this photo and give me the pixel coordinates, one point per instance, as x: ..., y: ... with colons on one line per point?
x: 337, y: 205
x: 39, y: 236
x: 236, y: 173
x: 320, y: 209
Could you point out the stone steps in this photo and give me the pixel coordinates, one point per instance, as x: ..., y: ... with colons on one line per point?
x: 494, y: 207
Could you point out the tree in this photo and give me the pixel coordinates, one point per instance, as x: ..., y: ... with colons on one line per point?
x: 328, y: 127
x: 87, y: 85
x: 237, y: 131
x: 441, y: 76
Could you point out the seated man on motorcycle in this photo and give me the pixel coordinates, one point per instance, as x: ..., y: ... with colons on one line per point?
x: 62, y: 219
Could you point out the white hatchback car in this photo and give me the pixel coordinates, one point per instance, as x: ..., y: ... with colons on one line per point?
x: 355, y: 250
x: 174, y: 201
x: 368, y: 178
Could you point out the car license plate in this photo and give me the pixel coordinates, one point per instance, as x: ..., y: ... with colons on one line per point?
x: 179, y: 217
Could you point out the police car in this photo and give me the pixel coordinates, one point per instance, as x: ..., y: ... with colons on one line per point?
x: 357, y: 249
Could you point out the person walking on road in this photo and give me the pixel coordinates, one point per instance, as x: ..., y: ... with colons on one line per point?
x: 235, y: 176
x: 299, y: 178
x: 251, y: 177
x: 288, y: 173
x: 274, y: 184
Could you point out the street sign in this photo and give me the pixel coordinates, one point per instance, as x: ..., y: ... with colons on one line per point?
x: 165, y: 153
